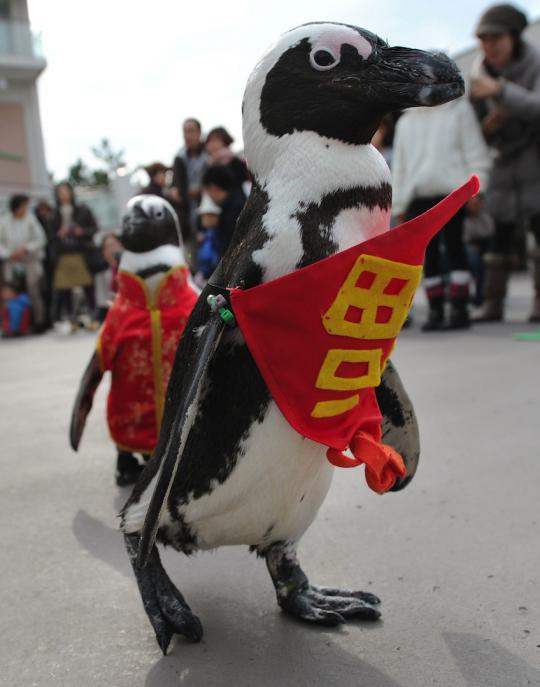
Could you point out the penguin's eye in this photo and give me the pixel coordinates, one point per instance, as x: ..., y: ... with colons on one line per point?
x: 323, y: 59
x: 159, y: 213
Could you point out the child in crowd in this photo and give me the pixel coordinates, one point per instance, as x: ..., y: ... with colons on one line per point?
x: 208, y: 251
x: 16, y: 311
x: 106, y: 282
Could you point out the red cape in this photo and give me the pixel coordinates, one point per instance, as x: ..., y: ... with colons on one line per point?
x: 321, y: 336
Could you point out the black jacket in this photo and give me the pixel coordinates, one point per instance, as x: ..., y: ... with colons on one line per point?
x: 231, y: 208
x: 83, y: 218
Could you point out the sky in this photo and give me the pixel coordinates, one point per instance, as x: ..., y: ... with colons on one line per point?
x: 132, y: 70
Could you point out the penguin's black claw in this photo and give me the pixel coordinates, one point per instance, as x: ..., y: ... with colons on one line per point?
x: 347, y: 604
x: 163, y: 637
x: 371, y: 599
x: 176, y: 614
x: 165, y: 606
x: 322, y: 605
x: 301, y: 605
x: 331, y: 609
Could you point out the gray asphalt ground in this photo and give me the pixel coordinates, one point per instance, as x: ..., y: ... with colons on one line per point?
x: 455, y: 557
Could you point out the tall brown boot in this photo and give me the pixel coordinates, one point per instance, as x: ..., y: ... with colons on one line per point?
x: 535, y: 311
x: 497, y: 269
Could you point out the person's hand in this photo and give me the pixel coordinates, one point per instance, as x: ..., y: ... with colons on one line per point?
x: 175, y: 195
x: 78, y: 231
x: 194, y: 192
x: 474, y: 205
x: 486, y: 87
x: 62, y: 232
x: 18, y: 254
x: 493, y: 121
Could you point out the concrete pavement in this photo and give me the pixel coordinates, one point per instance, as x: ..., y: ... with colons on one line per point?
x: 455, y: 557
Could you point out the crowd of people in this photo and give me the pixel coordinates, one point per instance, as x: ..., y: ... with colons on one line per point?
x: 53, y: 267
x: 493, y: 132
x: 57, y: 269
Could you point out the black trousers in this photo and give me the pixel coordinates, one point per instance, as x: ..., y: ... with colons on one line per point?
x: 450, y: 238
x: 503, y: 237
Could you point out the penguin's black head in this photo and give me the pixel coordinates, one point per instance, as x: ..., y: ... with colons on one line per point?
x: 338, y: 81
x: 149, y: 222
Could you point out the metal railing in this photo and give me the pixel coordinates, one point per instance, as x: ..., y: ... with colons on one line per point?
x: 16, y: 38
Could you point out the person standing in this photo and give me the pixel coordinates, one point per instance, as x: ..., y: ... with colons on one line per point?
x: 22, y: 245
x: 157, y: 175
x: 220, y: 185
x: 189, y: 165
x: 436, y: 150
x: 505, y: 92
x: 73, y: 227
x: 218, y: 149
x: 43, y: 213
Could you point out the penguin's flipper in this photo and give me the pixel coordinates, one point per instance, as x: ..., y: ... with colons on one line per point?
x: 400, y: 426
x: 83, y: 403
x: 197, y: 347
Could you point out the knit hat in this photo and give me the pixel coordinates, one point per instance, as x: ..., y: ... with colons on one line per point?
x: 501, y: 19
x: 208, y: 207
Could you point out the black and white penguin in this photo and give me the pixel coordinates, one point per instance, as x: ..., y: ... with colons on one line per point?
x: 310, y: 109
x: 152, y: 260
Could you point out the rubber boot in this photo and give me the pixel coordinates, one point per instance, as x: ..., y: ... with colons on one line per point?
x: 459, y: 307
x: 535, y: 311
x: 497, y: 269
x: 435, y: 320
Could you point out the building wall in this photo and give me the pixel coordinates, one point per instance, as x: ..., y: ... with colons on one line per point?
x: 14, y: 164
x: 22, y: 155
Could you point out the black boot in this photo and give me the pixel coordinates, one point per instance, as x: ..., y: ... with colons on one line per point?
x: 535, y: 310
x: 435, y: 320
x: 459, y: 307
x: 497, y: 270
x: 128, y: 469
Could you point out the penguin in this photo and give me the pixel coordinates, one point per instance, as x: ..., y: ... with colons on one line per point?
x: 140, y: 334
x: 244, y: 476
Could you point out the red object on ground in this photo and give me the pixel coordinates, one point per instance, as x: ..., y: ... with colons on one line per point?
x: 137, y: 343
x: 321, y: 336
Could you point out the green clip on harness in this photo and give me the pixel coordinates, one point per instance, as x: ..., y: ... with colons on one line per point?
x: 217, y: 304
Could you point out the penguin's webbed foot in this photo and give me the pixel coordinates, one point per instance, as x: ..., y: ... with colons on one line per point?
x: 165, y: 606
x: 317, y: 606
x: 321, y: 605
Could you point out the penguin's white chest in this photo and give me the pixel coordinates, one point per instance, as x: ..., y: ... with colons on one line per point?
x: 273, y: 493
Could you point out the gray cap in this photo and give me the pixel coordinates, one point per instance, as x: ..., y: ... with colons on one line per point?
x: 501, y: 19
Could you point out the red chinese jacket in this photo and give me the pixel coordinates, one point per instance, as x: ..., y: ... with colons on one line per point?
x: 137, y: 343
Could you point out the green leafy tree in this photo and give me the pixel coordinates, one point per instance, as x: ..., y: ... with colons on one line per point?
x: 99, y: 177
x: 81, y: 175
x: 112, y: 159
x: 78, y: 174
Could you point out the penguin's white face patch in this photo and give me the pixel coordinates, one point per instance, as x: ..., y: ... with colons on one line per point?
x: 297, y: 69
x: 152, y: 206
x: 326, y: 49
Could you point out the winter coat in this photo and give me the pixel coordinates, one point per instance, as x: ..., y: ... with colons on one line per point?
x: 188, y: 172
x: 514, y: 187
x: 24, y: 232
x: 435, y: 151
x: 83, y: 218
